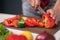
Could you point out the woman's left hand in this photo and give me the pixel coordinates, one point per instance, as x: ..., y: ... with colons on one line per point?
x: 53, y: 14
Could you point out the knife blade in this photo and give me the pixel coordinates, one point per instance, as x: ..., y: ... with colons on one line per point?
x: 41, y: 10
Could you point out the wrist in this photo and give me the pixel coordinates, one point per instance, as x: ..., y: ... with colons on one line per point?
x: 56, y: 15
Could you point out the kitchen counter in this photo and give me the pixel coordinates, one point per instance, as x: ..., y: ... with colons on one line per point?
x: 55, y: 30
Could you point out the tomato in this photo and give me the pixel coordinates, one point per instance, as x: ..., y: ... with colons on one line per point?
x: 49, y: 22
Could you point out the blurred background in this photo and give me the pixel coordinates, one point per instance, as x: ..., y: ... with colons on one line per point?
x: 11, y: 6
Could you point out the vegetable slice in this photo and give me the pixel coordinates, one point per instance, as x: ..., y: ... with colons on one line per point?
x: 21, y: 23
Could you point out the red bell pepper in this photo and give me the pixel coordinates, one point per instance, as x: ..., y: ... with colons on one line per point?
x: 16, y: 37
x: 49, y: 22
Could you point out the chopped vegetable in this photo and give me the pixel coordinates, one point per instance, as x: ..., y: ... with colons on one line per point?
x: 2, y: 29
x: 12, y: 22
x: 29, y: 22
x: 45, y: 36
x: 3, y: 32
x: 21, y: 23
x: 28, y: 35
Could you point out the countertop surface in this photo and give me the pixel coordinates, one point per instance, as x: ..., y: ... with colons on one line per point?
x: 55, y: 30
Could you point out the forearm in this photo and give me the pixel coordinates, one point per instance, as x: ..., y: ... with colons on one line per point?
x: 57, y: 5
x: 56, y: 9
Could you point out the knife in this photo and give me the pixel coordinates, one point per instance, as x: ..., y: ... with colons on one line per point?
x: 41, y: 10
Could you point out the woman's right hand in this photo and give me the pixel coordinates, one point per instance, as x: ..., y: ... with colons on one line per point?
x: 35, y: 3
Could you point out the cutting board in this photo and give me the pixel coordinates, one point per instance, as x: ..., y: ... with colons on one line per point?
x: 35, y: 30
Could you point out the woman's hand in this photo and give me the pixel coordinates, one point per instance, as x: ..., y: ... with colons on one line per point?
x: 35, y: 3
x: 53, y: 14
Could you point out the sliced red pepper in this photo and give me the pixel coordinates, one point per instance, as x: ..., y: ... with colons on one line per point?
x: 15, y: 23
x: 40, y: 24
x: 8, y: 22
x: 29, y: 22
x: 12, y: 22
x: 35, y: 21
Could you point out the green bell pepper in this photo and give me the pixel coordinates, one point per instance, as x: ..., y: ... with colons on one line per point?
x: 21, y: 23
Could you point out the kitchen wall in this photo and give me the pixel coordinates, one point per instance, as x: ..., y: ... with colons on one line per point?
x: 11, y: 6
x: 1, y: 5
